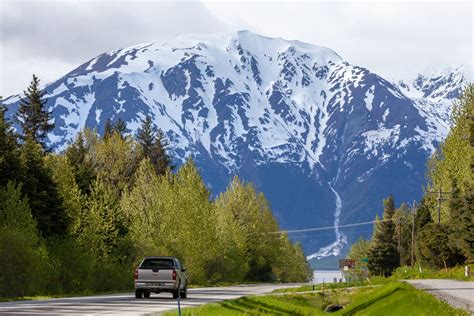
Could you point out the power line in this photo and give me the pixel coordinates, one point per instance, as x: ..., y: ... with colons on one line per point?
x: 332, y: 234
x: 331, y: 227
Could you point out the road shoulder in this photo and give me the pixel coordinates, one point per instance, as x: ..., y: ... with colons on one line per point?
x: 459, y: 294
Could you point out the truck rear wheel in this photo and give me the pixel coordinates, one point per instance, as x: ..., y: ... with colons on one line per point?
x: 138, y: 294
x: 146, y: 294
x: 176, y: 294
x: 184, y: 292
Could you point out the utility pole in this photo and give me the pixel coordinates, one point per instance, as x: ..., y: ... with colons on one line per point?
x: 440, y: 199
x: 399, y: 232
x: 412, y: 259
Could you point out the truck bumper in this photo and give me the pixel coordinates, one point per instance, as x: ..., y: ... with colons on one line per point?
x: 156, y: 286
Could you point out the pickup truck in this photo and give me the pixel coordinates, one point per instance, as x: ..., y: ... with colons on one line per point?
x: 160, y: 274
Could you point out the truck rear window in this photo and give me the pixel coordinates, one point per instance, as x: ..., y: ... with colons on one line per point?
x: 157, y: 264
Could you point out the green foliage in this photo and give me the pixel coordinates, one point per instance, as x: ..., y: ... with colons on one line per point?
x: 115, y: 161
x: 79, y: 222
x: 468, y: 224
x: 15, y: 211
x: 454, y: 157
x: 33, y: 116
x: 99, y: 224
x: 187, y: 221
x: 153, y: 145
x: 63, y: 175
x: 435, y: 249
x: 20, y: 257
x: 10, y: 165
x: 21, y: 261
x: 383, y: 256
x: 38, y: 185
x: 403, y: 233
x: 359, y: 252
x: 79, y: 157
x: 383, y: 259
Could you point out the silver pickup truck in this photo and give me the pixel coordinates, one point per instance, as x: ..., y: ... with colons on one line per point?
x: 160, y: 274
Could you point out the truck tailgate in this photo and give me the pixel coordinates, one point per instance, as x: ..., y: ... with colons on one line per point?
x: 155, y: 275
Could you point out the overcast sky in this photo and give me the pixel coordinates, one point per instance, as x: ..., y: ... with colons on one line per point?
x: 50, y: 38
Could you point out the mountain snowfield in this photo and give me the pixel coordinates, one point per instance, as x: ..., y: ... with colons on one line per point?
x: 323, y: 139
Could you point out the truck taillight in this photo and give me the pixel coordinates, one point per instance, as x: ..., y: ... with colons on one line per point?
x: 135, y: 274
x: 174, y: 275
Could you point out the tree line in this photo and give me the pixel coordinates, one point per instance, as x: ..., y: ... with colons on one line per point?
x: 81, y: 220
x: 438, y: 232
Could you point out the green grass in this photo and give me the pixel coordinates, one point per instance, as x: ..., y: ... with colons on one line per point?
x: 456, y: 273
x: 393, y: 298
x: 47, y: 297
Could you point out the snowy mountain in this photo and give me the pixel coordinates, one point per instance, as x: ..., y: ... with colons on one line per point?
x: 433, y: 94
x: 323, y: 139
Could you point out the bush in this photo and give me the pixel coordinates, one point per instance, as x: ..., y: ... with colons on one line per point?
x: 20, y: 263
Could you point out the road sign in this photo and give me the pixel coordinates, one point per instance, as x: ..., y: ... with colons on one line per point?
x: 349, y: 263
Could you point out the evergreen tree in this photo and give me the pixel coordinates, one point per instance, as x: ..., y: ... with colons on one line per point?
x: 10, y: 165
x: 383, y: 259
x: 120, y: 127
x: 78, y: 157
x: 383, y: 256
x: 153, y: 146
x: 108, y: 128
x: 146, y: 136
x: 33, y: 116
x: 423, y: 215
x: 468, y: 224
x: 435, y: 250
x: 386, y: 228
x: 44, y: 200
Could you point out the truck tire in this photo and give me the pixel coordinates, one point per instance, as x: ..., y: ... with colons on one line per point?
x: 138, y: 293
x: 146, y: 294
x: 184, y: 292
x: 176, y: 294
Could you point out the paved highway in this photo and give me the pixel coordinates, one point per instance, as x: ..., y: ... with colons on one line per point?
x: 457, y: 293
x: 126, y: 304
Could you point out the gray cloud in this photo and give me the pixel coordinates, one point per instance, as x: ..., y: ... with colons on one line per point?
x: 53, y: 37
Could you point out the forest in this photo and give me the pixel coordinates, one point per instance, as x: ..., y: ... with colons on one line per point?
x: 438, y: 231
x: 80, y: 220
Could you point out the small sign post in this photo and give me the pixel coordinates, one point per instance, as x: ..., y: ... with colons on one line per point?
x: 346, y: 265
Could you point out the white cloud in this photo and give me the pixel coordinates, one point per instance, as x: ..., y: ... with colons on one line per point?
x: 392, y: 39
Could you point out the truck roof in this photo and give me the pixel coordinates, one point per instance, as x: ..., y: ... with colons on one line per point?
x: 160, y: 257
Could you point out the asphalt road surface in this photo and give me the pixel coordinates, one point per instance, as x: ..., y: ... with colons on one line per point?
x: 126, y: 304
x: 459, y: 294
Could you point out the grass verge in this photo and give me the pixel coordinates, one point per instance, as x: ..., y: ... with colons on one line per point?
x: 394, y: 298
x: 47, y: 297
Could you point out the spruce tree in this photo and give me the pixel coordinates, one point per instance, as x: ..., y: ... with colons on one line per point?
x: 146, y: 135
x: 78, y: 157
x: 383, y: 256
x: 39, y: 187
x: 153, y: 146
x: 120, y: 127
x: 468, y: 224
x: 386, y: 229
x: 108, y: 129
x: 435, y: 249
x: 33, y: 116
x: 423, y: 215
x: 10, y: 165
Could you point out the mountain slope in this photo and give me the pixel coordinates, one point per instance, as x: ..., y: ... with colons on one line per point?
x: 323, y: 139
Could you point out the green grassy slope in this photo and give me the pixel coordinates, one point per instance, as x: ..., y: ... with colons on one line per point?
x: 389, y: 299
